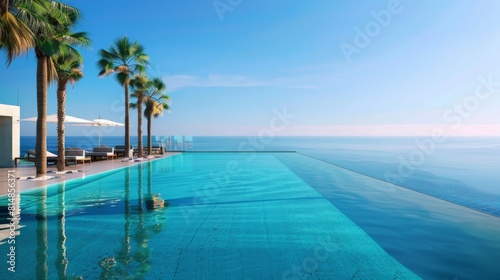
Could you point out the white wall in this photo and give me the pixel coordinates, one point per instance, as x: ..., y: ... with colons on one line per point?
x: 10, y: 134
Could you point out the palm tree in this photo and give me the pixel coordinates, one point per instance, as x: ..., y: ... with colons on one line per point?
x: 139, y: 83
x: 23, y: 24
x: 49, y: 23
x: 123, y: 58
x: 155, y: 104
x: 61, y: 18
x: 21, y: 21
x: 45, y: 26
x: 68, y: 71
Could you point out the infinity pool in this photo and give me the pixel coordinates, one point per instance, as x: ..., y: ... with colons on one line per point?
x: 245, y: 216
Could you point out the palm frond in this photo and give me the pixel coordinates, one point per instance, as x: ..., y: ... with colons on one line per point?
x: 50, y: 47
x: 106, y: 66
x: 165, y: 98
x: 68, y: 67
x: 51, y: 71
x: 80, y: 39
x: 106, y: 55
x: 121, y: 78
x: 139, y: 82
x: 105, y: 72
x: 123, y: 48
x: 15, y: 37
x: 142, y: 59
x: 159, y: 109
x: 63, y: 14
x: 122, y: 69
x: 33, y: 14
x: 139, y: 69
x: 156, y: 100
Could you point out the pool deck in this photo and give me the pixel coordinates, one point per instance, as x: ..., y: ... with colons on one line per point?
x: 22, y: 172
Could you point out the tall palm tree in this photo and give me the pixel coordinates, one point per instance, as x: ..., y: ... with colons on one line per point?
x: 140, y: 84
x: 49, y: 22
x: 68, y: 67
x: 61, y: 17
x: 124, y: 58
x: 156, y: 104
x: 45, y: 26
x: 22, y: 22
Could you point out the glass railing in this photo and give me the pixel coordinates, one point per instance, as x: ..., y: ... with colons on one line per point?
x: 174, y: 142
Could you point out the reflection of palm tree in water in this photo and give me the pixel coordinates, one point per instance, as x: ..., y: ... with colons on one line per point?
x: 117, y: 267
x: 154, y: 202
x: 61, y: 260
x: 41, y: 236
x: 143, y: 252
x: 150, y: 221
x: 124, y: 255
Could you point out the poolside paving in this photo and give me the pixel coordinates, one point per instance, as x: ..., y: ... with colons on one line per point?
x: 23, y: 171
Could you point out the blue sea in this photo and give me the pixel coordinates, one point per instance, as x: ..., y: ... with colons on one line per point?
x: 462, y: 170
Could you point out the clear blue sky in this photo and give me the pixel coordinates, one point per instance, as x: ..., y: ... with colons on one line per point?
x: 228, y: 70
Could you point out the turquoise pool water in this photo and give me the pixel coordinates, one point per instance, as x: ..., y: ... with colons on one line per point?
x: 246, y: 216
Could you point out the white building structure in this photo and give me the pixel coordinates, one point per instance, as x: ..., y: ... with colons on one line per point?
x: 10, y: 134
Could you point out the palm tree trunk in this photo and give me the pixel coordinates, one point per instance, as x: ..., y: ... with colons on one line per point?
x: 127, y: 119
x: 41, y: 128
x: 150, y: 148
x: 139, y: 126
x: 61, y: 112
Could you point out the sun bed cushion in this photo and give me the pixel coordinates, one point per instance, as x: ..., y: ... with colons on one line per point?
x: 72, y: 153
x: 102, y: 152
x: 120, y: 149
x: 49, y: 154
x: 51, y: 158
x: 154, y: 149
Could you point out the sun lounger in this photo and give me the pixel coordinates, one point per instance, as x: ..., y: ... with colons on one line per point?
x: 102, y: 152
x: 51, y: 158
x: 76, y: 155
x: 155, y: 149
x: 120, y: 150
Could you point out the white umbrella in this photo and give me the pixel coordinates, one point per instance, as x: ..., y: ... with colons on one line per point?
x: 67, y: 119
x: 104, y: 122
x: 99, y: 123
